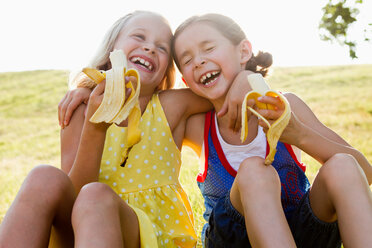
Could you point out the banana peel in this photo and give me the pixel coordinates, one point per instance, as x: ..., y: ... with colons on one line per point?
x: 114, y: 107
x: 261, y: 88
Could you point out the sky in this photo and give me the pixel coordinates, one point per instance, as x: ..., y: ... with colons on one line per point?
x: 50, y: 34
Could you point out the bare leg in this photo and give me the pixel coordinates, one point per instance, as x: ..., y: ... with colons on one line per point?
x: 256, y: 195
x: 340, y: 192
x: 45, y: 199
x: 102, y: 219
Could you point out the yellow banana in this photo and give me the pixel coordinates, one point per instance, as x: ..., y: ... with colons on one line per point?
x: 260, y: 88
x: 114, y: 108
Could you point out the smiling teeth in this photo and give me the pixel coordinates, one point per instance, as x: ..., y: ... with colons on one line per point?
x: 142, y: 62
x: 208, y: 75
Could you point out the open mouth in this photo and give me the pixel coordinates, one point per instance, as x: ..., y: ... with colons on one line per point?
x: 142, y: 62
x: 209, y: 77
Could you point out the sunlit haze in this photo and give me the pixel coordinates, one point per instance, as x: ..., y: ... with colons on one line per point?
x: 64, y: 34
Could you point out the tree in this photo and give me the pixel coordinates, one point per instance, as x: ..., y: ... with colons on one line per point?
x: 338, y: 16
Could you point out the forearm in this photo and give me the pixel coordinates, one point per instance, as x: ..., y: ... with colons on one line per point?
x: 88, y: 158
x: 322, y: 149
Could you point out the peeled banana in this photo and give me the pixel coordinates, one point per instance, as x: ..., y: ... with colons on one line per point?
x: 261, y: 88
x: 114, y: 108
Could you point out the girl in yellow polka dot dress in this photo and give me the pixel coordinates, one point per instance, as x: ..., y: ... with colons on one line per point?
x: 139, y: 202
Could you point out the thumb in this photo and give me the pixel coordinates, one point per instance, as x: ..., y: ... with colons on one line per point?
x: 224, y: 109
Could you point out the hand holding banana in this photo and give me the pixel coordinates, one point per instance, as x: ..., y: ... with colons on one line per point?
x: 114, y: 107
x: 260, y: 88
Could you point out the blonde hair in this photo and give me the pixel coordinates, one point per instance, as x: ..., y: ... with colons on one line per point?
x: 101, y: 61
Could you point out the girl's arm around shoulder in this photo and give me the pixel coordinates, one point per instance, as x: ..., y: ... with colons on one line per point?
x: 194, y: 135
x: 316, y: 139
x: 178, y: 106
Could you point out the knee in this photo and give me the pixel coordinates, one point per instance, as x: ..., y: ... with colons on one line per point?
x: 92, y: 196
x: 46, y: 179
x: 254, y: 175
x: 340, y: 169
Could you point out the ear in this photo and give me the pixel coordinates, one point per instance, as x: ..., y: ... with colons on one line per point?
x: 246, y: 51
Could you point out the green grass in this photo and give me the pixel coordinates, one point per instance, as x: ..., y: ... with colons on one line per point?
x: 341, y: 97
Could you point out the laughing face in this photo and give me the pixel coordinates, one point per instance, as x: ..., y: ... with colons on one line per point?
x: 207, y: 60
x: 146, y: 42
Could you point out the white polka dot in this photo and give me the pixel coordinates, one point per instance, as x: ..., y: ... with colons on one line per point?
x: 156, y: 181
x: 122, y: 130
x: 115, y: 154
x: 172, y: 207
x: 154, y: 167
x: 143, y: 147
x: 110, y: 148
x: 171, y: 231
x: 163, y: 133
x: 146, y: 161
x: 187, y: 227
x: 121, y: 195
x: 100, y: 170
x: 162, y: 202
x: 122, y: 145
x: 152, y: 152
x: 136, y: 199
x: 148, y: 123
x: 136, y: 156
x: 107, y: 162
x: 129, y: 165
x: 170, y: 139
x: 138, y: 170
x: 172, y: 155
x: 139, y: 185
x: 181, y: 213
x: 106, y: 177
x: 154, y: 105
x: 142, y: 133
x: 167, y: 216
x: 160, y: 232
x: 149, y: 137
x: 183, y: 240
x: 123, y: 190
x: 162, y: 172
x: 174, y: 199
x: 122, y: 175
x: 116, y: 139
x: 165, y: 148
x: 173, y: 169
x: 147, y: 176
x: 131, y: 180
x: 159, y: 218
x: 170, y: 177
x: 158, y: 143
x: 112, y: 134
x: 154, y: 129
x: 114, y: 184
x: 178, y: 161
x: 177, y: 221
x: 166, y: 241
x: 152, y: 210
x: 159, y: 119
x: 114, y: 168
x: 147, y: 111
x: 161, y: 157
x: 168, y: 163
x: 147, y: 197
x: 144, y: 205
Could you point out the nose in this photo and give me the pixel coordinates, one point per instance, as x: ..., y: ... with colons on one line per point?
x: 149, y: 48
x: 199, y: 62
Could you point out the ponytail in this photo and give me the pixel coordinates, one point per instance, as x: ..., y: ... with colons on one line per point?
x: 260, y: 63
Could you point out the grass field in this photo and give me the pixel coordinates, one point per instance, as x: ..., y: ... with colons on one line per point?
x: 341, y: 97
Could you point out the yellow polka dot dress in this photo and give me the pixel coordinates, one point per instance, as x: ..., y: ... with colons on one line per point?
x: 149, y: 181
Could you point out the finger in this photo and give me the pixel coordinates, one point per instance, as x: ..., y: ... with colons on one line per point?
x: 263, y: 125
x: 74, y: 103
x: 64, y: 108
x: 270, y: 114
x: 59, y: 110
x: 132, y: 79
x: 99, y: 89
x: 274, y: 101
x: 128, y: 91
x: 224, y: 109
x: 238, y: 122
x: 232, y: 117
